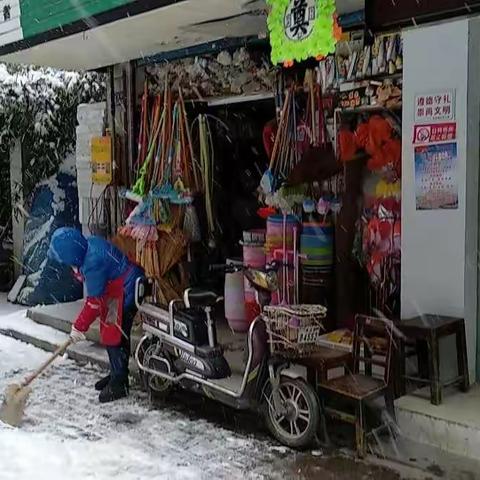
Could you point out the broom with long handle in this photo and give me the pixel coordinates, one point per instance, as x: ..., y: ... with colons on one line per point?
x: 16, y: 395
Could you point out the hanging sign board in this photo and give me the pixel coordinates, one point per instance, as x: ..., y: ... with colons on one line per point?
x: 102, y: 160
x: 301, y: 29
x: 436, y: 106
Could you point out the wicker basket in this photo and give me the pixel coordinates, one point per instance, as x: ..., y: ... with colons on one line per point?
x: 294, y: 330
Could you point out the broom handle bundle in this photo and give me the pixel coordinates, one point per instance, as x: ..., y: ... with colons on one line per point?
x: 208, y: 171
x: 143, y: 127
x: 59, y: 351
x: 280, y: 130
x: 164, y: 137
x: 182, y: 162
x: 196, y: 178
x: 311, y: 111
x: 167, y: 172
x: 323, y: 130
x: 157, y: 118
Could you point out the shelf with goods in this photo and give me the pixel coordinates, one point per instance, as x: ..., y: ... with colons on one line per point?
x: 360, y: 58
x: 364, y: 74
x: 347, y: 85
x: 364, y: 117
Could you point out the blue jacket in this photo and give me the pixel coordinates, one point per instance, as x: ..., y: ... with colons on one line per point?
x: 98, y: 260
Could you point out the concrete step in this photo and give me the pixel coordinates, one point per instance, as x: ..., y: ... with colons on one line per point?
x: 26, y: 330
x: 83, y: 353
x: 61, y: 316
x: 453, y: 426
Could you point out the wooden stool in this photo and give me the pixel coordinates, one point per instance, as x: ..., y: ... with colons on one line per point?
x: 428, y: 330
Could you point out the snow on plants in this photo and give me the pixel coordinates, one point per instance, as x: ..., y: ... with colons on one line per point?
x: 38, y: 107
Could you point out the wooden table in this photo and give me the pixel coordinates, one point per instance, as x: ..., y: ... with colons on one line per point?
x: 426, y: 331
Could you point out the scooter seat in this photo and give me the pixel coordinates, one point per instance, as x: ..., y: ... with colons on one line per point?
x: 197, y: 297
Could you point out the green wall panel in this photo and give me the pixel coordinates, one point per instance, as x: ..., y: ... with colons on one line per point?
x: 38, y: 16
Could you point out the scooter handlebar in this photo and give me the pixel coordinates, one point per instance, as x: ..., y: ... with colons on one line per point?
x: 225, y: 268
x: 233, y: 268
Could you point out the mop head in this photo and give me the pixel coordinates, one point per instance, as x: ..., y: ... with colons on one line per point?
x: 11, y: 411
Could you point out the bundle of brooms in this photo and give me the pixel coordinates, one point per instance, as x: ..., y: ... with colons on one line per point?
x: 168, y: 178
x: 161, y: 260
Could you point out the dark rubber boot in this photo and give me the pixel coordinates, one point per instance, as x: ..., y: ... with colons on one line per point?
x: 101, y: 384
x: 113, y: 391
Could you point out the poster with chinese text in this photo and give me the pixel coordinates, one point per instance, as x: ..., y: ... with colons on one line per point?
x: 435, y: 106
x: 436, y: 182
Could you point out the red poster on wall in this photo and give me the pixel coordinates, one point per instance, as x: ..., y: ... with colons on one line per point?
x: 434, y: 133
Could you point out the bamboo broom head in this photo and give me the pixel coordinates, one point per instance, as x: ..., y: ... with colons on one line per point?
x: 171, y: 249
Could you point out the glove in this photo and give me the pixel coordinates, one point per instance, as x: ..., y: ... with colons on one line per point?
x: 76, y: 335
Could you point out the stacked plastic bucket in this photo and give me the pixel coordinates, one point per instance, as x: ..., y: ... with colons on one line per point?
x: 277, y: 225
x: 316, y: 246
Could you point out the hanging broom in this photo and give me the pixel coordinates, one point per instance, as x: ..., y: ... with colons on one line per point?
x: 268, y: 181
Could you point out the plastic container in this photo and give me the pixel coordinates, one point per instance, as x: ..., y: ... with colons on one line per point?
x: 235, y: 299
x: 317, y: 244
x: 274, y: 236
x: 254, y: 257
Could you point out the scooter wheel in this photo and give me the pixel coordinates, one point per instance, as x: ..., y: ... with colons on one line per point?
x: 296, y: 427
x: 157, y: 388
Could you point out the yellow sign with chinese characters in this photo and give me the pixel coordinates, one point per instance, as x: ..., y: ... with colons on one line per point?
x: 102, y: 160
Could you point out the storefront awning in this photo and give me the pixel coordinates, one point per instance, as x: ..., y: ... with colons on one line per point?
x: 97, y: 34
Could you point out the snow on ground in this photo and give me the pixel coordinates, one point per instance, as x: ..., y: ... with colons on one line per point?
x: 7, y: 307
x: 15, y: 356
x: 68, y: 434
x: 19, y: 322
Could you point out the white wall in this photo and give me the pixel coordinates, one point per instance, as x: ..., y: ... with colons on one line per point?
x: 439, y: 246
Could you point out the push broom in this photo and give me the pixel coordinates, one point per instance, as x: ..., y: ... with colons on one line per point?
x: 16, y: 394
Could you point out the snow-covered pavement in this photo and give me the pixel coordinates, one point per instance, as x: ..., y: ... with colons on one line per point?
x: 67, y: 434
x: 6, y: 307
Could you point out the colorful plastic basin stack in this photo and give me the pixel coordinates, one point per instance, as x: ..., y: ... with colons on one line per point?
x: 317, y: 247
x: 277, y: 225
x: 316, y: 244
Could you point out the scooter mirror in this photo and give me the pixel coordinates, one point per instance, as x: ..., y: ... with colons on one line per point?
x: 266, y: 281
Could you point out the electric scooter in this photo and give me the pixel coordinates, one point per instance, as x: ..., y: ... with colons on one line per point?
x: 180, y: 348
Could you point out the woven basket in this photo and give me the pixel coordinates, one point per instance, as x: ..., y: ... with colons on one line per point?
x: 294, y: 330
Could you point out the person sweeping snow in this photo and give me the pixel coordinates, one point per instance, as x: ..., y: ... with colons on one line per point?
x: 110, y: 280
